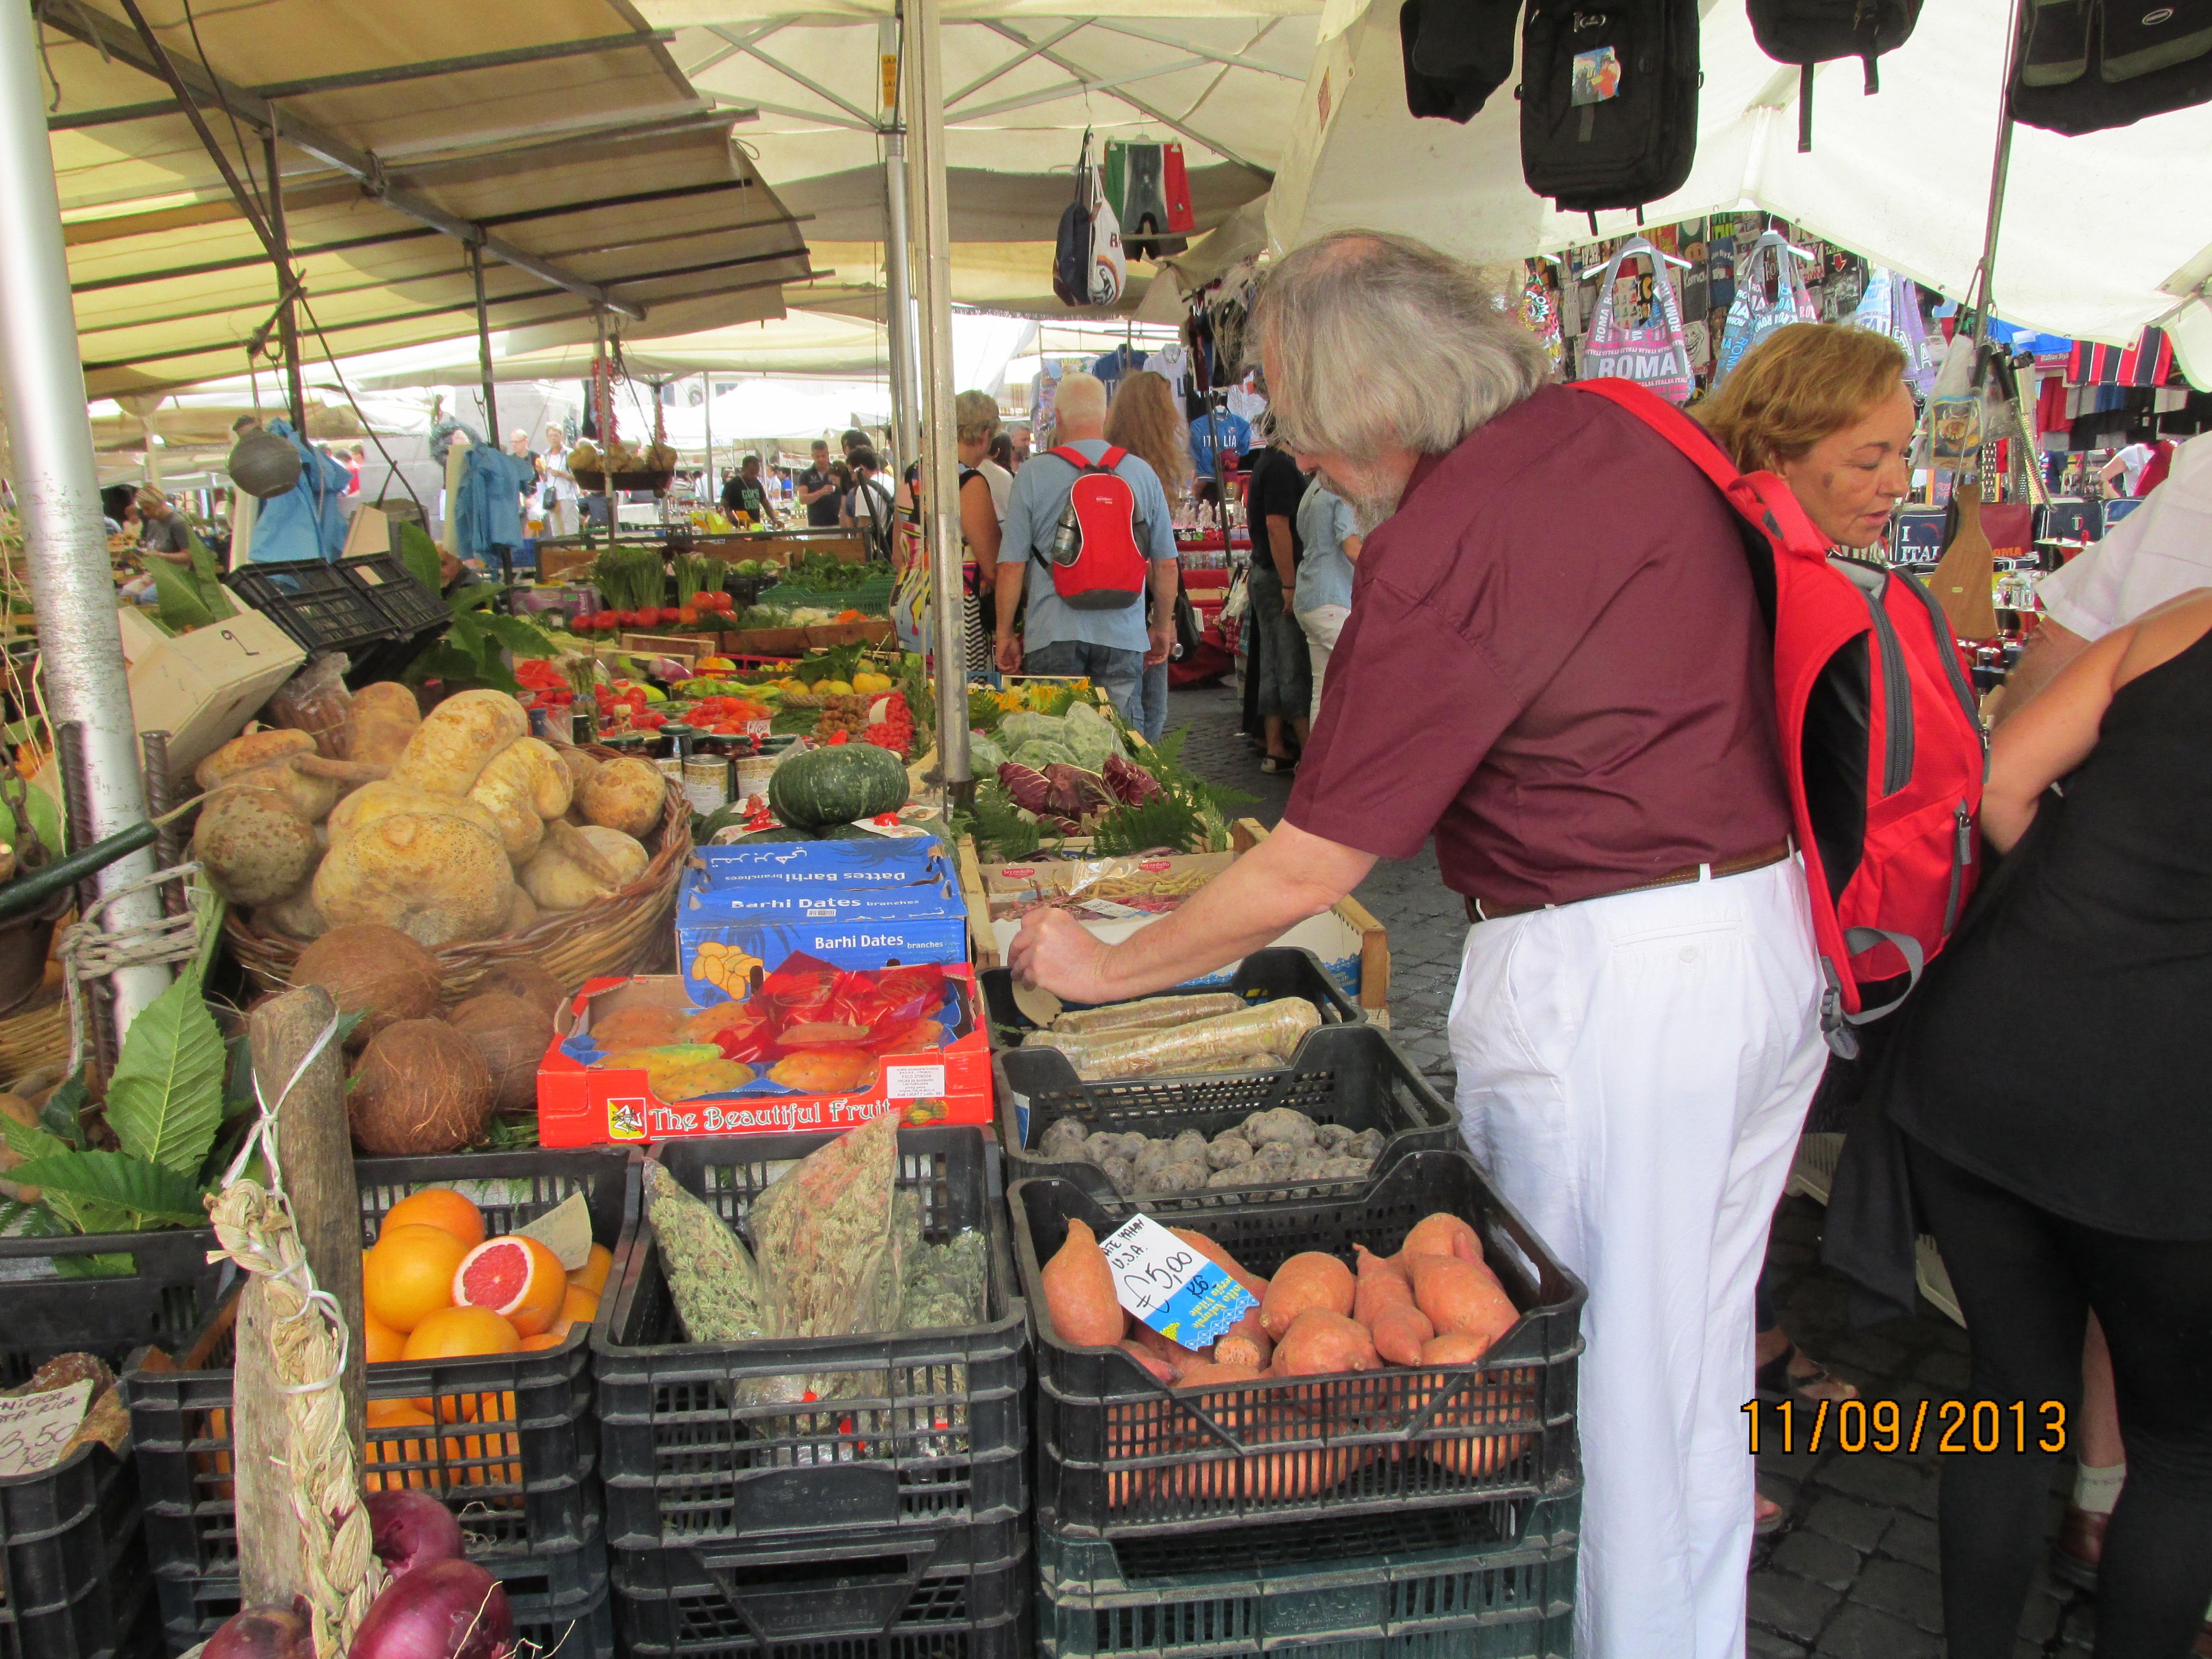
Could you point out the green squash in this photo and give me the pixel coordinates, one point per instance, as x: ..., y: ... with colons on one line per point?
x: 836, y: 784
x: 777, y: 835
x: 846, y: 832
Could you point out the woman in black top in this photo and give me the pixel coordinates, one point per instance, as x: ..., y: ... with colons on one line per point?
x: 2049, y: 1078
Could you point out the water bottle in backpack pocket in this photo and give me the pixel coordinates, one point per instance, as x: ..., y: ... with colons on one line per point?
x: 1097, y: 561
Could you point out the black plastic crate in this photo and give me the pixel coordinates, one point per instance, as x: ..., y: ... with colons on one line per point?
x: 1262, y: 977
x: 957, y: 1592
x: 164, y: 1291
x: 933, y: 1434
x: 1120, y: 1455
x: 320, y: 606
x: 73, y: 1560
x: 521, y: 1472
x: 1354, y: 1075
x: 573, y: 1630
x: 405, y: 601
x: 1404, y: 1586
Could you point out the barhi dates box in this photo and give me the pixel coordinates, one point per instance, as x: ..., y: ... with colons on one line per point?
x: 581, y: 1104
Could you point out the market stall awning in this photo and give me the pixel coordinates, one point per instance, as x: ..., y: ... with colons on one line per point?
x: 1221, y: 79
x: 559, y: 138
x: 2101, y: 233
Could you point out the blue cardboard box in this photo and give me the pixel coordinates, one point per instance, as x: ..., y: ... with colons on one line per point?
x: 724, y: 935
x: 878, y: 861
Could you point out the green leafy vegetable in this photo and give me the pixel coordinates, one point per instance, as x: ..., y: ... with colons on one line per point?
x: 165, y: 1100
x: 114, y: 1192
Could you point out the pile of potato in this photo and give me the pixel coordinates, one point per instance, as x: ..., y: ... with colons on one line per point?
x: 453, y: 826
x: 1279, y: 1145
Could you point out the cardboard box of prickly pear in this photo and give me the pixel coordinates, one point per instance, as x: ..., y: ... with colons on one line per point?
x: 805, y: 1045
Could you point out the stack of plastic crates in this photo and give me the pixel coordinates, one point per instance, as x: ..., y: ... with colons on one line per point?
x: 524, y: 1478
x: 368, y: 606
x: 889, y: 1521
x: 1393, y: 1513
x: 72, y: 1545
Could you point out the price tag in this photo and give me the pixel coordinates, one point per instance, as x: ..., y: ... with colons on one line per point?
x: 1110, y: 910
x: 1171, y: 1287
x: 35, y: 1427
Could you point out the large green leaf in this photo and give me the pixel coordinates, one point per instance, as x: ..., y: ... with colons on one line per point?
x: 27, y: 1142
x: 115, y: 1192
x: 182, y: 607
x: 165, y: 1100
x: 420, y: 554
x: 207, y: 576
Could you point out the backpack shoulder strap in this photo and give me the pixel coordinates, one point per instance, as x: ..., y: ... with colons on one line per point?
x: 1112, y: 458
x: 1074, y: 457
x: 1760, y: 498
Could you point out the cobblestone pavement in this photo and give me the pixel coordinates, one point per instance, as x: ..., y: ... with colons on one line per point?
x: 1852, y: 1575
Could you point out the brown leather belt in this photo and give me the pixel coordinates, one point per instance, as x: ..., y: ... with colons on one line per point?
x: 1741, y: 863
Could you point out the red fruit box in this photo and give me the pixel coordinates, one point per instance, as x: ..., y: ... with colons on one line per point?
x: 582, y: 1104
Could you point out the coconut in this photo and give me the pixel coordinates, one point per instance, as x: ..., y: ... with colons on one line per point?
x: 375, y: 971
x: 511, y: 1036
x: 525, y: 980
x: 419, y: 1089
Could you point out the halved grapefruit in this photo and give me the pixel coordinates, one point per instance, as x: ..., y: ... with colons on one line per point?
x: 516, y: 1277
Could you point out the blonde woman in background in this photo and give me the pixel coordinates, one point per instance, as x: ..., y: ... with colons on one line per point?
x: 975, y: 419
x: 1146, y: 419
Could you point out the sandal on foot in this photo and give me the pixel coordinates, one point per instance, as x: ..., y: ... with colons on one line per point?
x: 1775, y: 1382
x: 1765, y: 1523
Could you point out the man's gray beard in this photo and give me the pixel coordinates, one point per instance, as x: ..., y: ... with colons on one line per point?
x: 1367, y: 511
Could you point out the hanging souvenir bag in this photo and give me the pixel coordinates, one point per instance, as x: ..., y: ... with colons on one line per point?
x: 1881, y: 747
x: 1175, y: 185
x: 1608, y: 101
x: 1654, y: 356
x: 1807, y: 32
x: 1108, y: 271
x: 1751, y: 315
x: 1891, y: 305
x: 2084, y: 65
x: 1071, y: 254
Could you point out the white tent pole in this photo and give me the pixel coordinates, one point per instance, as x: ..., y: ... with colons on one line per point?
x: 1998, y: 171
x: 924, y: 63
x: 58, y: 493
x: 898, y: 322
x: 712, y: 493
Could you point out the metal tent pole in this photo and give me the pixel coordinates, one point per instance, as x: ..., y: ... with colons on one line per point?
x: 924, y: 63
x: 483, y: 347
x: 56, y: 491
x: 898, y: 245
x: 712, y: 493
x: 288, y: 320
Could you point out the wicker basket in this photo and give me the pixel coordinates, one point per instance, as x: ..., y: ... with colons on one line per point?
x: 631, y: 933
x: 35, y: 1037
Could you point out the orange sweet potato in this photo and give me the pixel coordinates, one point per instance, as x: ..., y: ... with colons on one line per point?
x: 1399, y: 1331
x: 1321, y: 1342
x: 1154, y: 1366
x: 1442, y: 1235
x: 1207, y: 1374
x: 1173, y: 1355
x: 1452, y: 1348
x: 1462, y: 1296
x: 1079, y: 1292
x: 1309, y: 1280
x: 1382, y: 1284
x: 1245, y: 1343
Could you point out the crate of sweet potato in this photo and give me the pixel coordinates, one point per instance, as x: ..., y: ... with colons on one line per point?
x: 1412, y: 1345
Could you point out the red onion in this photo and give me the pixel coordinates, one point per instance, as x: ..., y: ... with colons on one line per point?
x: 441, y: 1610
x: 412, y: 1530
x: 262, y: 1633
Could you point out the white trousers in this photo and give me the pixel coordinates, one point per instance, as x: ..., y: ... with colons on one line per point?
x: 1634, y: 1071
x: 1321, y: 624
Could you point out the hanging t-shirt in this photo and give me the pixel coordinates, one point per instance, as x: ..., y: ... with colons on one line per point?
x: 1234, y: 432
x: 1172, y: 363
x: 1120, y: 360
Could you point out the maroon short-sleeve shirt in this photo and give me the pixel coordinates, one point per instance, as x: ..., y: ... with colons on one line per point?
x: 1555, y: 661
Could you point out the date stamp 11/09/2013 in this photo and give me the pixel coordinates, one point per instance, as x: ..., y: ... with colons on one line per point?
x: 1948, y: 1426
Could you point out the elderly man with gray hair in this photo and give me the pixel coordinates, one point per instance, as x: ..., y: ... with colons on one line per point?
x: 1555, y: 664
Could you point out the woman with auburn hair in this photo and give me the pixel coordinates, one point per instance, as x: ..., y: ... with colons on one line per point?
x: 1147, y: 420
x: 1826, y: 409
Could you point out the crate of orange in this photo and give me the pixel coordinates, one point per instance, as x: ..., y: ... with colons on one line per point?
x: 479, y: 1385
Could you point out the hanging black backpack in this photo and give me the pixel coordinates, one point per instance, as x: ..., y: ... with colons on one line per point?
x: 1608, y: 100
x: 1812, y: 32
x: 1456, y: 52
x: 2085, y: 65
x: 1070, y: 252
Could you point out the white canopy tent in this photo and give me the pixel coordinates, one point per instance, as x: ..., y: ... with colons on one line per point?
x: 2101, y: 234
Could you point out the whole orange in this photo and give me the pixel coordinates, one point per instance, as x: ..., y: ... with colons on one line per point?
x: 515, y: 1276
x: 408, y: 1274
x: 381, y: 1344
x: 458, y: 1333
x: 592, y: 1275
x: 393, y: 1414
x: 439, y: 1206
x: 578, y: 1307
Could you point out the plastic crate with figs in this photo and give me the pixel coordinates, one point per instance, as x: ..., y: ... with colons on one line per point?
x: 1120, y: 1455
x: 514, y: 1453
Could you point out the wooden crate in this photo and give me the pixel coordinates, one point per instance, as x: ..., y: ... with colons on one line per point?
x: 689, y: 647
x: 983, y: 946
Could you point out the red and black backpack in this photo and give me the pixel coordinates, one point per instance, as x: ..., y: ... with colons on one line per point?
x: 1882, y: 745
x: 1096, y: 562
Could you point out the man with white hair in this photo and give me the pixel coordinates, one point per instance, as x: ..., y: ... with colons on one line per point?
x: 1556, y: 666
x: 556, y: 485
x: 1111, y: 647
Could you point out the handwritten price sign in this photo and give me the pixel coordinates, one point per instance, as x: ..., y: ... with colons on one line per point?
x: 1173, y: 1288
x: 35, y: 1427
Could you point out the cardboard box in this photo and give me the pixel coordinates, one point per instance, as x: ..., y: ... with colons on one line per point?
x: 765, y: 642
x: 202, y: 687
x: 870, y: 630
x: 880, y: 861
x: 580, y: 1106
x: 757, y: 932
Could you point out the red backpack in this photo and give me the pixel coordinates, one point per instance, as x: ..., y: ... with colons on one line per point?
x: 1097, y: 563
x: 1882, y: 745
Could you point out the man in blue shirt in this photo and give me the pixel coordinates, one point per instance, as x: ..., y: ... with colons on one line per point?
x: 1111, y: 647
x: 1322, y: 598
